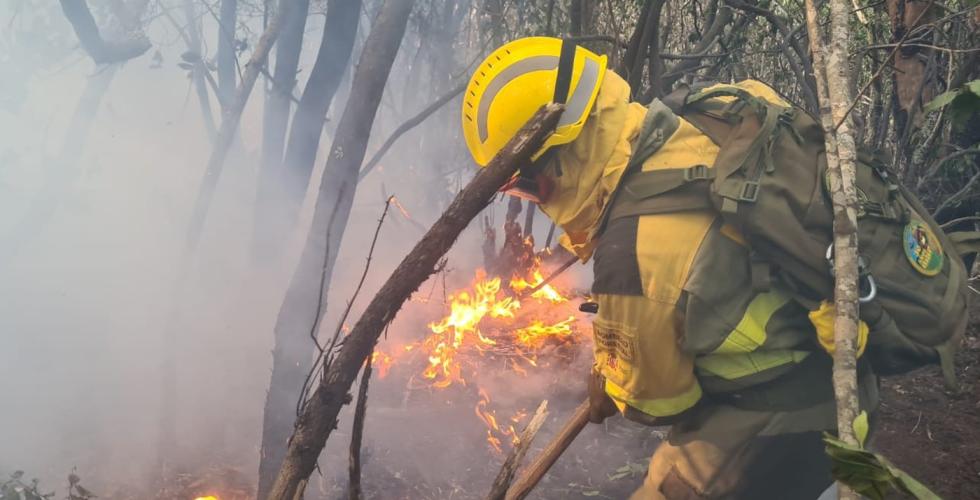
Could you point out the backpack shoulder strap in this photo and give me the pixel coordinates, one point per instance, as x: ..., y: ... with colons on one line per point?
x: 658, y: 125
x: 966, y: 242
x: 664, y: 191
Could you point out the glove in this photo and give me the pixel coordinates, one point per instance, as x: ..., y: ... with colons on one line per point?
x: 601, y: 406
x: 823, y: 320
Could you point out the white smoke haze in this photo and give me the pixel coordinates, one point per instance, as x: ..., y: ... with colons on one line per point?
x: 90, y: 246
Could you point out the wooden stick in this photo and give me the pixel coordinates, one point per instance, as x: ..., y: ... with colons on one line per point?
x: 539, y: 286
x: 499, y: 489
x: 357, y: 433
x: 534, y: 472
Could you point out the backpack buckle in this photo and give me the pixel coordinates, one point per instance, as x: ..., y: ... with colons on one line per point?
x: 750, y: 191
x: 696, y: 173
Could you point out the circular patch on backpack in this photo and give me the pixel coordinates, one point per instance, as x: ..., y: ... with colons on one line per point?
x: 922, y: 248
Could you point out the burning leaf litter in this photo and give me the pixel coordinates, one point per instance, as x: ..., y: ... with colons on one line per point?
x: 490, y: 326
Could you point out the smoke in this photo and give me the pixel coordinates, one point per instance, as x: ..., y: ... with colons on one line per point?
x: 99, y: 169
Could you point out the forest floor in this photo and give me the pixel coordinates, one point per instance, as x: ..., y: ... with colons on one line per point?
x: 932, y: 434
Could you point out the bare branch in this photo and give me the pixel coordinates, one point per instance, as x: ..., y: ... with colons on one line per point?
x: 357, y: 433
x: 409, y: 125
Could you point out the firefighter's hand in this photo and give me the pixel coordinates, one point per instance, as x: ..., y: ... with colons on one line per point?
x: 601, y: 406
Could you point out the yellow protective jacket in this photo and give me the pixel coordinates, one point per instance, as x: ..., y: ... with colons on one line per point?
x: 678, y: 317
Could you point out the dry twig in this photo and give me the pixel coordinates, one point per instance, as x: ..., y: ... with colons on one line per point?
x: 516, y: 455
x: 357, y: 433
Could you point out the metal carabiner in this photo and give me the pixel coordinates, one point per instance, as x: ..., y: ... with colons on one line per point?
x: 863, y: 274
x: 872, y: 292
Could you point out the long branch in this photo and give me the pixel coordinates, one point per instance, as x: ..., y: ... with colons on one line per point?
x: 319, y: 416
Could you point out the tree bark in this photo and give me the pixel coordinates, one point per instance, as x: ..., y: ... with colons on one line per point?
x: 311, y: 112
x: 319, y: 414
x: 227, y: 57
x: 292, y: 354
x: 275, y: 123
x: 910, y: 78
x: 100, y: 50
x: 835, y: 91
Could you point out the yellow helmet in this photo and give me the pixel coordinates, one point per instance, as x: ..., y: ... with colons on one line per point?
x: 520, y: 77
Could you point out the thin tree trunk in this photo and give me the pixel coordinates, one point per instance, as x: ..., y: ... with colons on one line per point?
x: 831, y: 68
x: 325, y: 78
x: 319, y: 414
x: 275, y: 123
x: 193, y: 39
x: 230, y: 118
x: 227, y: 55
x: 293, y: 352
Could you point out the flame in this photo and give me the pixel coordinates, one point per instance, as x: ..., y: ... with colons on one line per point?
x: 381, y: 362
x: 487, y: 322
x: 546, y: 292
x: 495, y: 433
x: 209, y: 497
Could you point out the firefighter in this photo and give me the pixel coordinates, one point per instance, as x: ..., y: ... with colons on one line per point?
x: 682, y: 337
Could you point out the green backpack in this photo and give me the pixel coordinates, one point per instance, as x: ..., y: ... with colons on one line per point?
x: 768, y: 180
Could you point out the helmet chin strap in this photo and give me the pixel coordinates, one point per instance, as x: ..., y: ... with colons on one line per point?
x: 566, y: 61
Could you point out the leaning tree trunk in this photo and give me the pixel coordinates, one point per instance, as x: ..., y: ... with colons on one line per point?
x: 831, y: 66
x: 293, y: 351
x: 227, y: 57
x: 276, y: 120
x: 319, y: 415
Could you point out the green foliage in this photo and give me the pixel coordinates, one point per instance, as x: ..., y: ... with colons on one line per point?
x: 631, y: 470
x: 16, y: 489
x: 960, y: 103
x: 868, y: 473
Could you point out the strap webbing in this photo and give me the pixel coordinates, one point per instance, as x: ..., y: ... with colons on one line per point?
x: 966, y: 242
x: 658, y: 125
x: 563, y: 80
x: 687, y: 197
